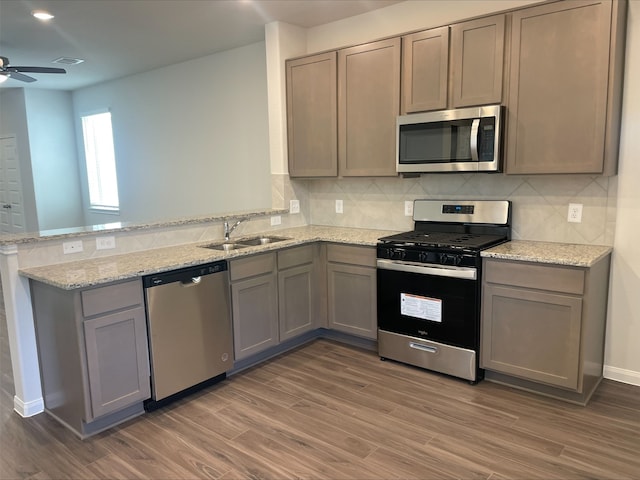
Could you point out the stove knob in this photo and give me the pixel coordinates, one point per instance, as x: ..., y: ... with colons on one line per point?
x: 397, y: 254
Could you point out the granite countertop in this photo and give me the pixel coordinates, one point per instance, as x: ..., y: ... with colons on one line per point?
x: 87, y: 273
x: 547, y: 252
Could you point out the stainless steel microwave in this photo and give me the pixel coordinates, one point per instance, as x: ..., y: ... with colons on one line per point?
x: 461, y: 140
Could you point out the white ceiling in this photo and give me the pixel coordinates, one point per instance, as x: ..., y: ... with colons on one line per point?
x: 117, y: 38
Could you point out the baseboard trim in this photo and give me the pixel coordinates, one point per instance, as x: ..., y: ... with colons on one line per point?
x: 622, y: 375
x: 28, y: 409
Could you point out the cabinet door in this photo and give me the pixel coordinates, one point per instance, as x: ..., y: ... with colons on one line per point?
x: 477, y: 59
x: 558, y: 88
x: 312, y: 125
x: 425, y: 65
x: 352, y: 299
x: 255, y: 314
x: 532, y: 334
x: 117, y: 360
x: 296, y: 293
x: 368, y: 104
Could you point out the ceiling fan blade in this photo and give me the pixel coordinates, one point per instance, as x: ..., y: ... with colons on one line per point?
x: 13, y: 68
x: 19, y: 76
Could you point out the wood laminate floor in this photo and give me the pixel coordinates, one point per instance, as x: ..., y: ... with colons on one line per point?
x: 331, y: 411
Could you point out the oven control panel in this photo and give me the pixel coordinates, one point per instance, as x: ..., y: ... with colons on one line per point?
x: 419, y: 255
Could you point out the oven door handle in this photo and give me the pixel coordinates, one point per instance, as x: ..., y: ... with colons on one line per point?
x: 466, y: 273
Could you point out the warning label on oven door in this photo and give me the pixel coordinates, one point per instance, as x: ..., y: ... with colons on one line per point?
x: 421, y: 307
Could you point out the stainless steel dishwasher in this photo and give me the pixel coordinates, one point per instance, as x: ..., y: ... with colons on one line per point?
x: 189, y: 322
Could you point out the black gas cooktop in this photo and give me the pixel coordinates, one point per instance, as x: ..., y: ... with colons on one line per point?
x: 443, y: 240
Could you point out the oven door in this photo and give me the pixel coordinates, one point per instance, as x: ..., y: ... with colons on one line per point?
x: 432, y: 302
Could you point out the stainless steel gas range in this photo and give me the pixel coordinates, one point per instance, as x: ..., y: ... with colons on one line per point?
x: 429, y: 284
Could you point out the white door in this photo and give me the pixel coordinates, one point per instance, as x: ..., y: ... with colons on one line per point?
x: 11, y: 207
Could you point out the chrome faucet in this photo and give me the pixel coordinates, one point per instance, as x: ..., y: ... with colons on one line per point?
x: 230, y: 228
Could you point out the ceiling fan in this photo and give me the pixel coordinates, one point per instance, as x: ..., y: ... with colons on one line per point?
x: 8, y: 70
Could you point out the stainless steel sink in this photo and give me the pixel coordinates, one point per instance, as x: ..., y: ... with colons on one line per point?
x: 260, y: 240
x: 225, y: 247
x: 244, y: 243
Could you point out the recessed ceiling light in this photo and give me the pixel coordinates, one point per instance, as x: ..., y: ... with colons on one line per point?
x: 42, y: 15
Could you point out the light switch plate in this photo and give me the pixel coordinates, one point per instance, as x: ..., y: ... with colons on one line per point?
x: 294, y: 206
x: 339, y: 206
x: 276, y: 220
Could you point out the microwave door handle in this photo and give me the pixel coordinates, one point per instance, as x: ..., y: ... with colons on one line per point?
x: 473, y: 141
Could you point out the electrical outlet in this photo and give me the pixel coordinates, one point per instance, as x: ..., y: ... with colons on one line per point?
x: 276, y: 220
x: 339, y: 206
x: 105, y: 243
x: 294, y: 206
x: 575, y: 213
x: 408, y: 208
x: 72, y: 247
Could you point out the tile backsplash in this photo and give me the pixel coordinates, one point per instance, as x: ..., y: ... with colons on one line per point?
x: 540, y: 203
x: 540, y: 208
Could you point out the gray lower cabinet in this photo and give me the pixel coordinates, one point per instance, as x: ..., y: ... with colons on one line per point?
x: 543, y: 326
x: 254, y: 300
x: 93, y: 351
x: 274, y: 298
x: 297, y: 290
x: 351, y: 281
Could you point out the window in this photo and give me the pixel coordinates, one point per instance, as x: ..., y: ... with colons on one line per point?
x: 101, y: 162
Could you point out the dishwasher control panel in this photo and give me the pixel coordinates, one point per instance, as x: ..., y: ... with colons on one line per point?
x: 183, y: 274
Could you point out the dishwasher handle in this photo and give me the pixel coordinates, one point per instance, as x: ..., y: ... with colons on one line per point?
x: 186, y: 276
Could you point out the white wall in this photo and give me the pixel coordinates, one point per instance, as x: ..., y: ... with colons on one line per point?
x: 54, y: 162
x: 190, y: 139
x: 623, y: 333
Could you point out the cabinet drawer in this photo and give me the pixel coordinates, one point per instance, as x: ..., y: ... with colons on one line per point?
x: 543, y: 277
x: 292, y: 257
x: 252, y: 266
x: 354, y: 255
x: 110, y: 298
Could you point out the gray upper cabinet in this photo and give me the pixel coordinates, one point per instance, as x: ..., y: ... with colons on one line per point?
x: 451, y: 67
x: 425, y: 66
x: 565, y: 87
x: 312, y: 126
x: 368, y: 104
x: 477, y: 60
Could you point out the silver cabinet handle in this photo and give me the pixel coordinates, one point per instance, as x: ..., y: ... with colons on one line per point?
x: 473, y: 141
x: 424, y: 348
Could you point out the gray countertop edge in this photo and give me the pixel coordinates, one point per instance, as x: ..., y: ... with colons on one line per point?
x: 117, y: 227
x: 100, y: 271
x: 568, y: 254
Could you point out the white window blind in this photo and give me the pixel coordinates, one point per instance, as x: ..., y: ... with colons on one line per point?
x: 101, y: 162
